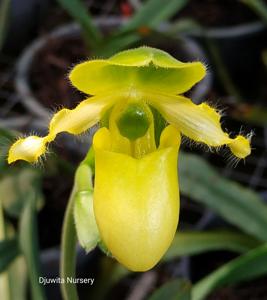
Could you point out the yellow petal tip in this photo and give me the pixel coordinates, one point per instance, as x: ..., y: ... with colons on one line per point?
x: 28, y: 149
x: 240, y: 146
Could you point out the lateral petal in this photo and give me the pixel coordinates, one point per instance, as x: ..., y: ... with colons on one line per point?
x: 200, y: 123
x: 74, y: 121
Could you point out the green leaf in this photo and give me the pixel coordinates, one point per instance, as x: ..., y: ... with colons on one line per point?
x: 178, y: 289
x: 29, y: 246
x: 264, y: 57
x: 78, y: 11
x: 8, y: 252
x: 110, y: 273
x: 248, y: 266
x: 4, y: 280
x: 185, y: 25
x: 17, y: 275
x: 235, y: 203
x: 192, y: 243
x: 86, y: 228
x: 6, y: 137
x: 68, y: 252
x: 115, y: 43
x: 15, y: 188
x: 8, y: 134
x: 4, y: 18
x: 258, y: 6
x: 153, y: 12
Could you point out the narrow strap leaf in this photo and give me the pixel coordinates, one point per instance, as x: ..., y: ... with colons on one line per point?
x: 8, y: 252
x: 235, y: 203
x: 178, y: 289
x: 153, y: 12
x: 68, y: 252
x: 78, y: 11
x: 4, y: 20
x: 248, y: 266
x: 192, y: 243
x: 258, y: 6
x: 29, y: 246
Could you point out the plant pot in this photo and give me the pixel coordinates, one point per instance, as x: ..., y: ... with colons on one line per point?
x: 23, y: 21
x: 240, y: 48
x: 238, y: 36
x: 191, y: 51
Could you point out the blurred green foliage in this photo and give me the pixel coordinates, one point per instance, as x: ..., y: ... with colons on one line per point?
x: 147, y: 18
x: 4, y: 18
x: 21, y: 196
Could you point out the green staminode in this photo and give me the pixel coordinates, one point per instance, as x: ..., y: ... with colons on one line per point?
x: 134, y: 122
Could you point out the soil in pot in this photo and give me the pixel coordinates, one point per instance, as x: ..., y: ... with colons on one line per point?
x: 50, y: 69
x: 233, y: 33
x: 57, y: 16
x: 9, y: 102
x: 217, y: 13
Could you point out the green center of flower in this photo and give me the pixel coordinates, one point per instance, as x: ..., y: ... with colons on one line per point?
x: 133, y: 122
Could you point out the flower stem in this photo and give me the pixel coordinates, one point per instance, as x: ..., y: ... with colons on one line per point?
x: 69, y: 236
x: 68, y: 252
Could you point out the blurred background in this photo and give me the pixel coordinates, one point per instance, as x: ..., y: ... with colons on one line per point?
x: 223, y: 211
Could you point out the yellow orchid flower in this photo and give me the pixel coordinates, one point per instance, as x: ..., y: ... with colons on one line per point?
x: 136, y: 198
x: 144, y: 73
